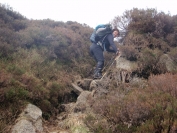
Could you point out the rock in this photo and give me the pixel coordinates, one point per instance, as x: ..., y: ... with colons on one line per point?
x: 68, y: 107
x: 77, y: 89
x: 124, y: 64
x: 23, y: 126
x: 82, y: 101
x: 124, y: 69
x: 121, y: 75
x: 30, y: 120
x: 84, y: 83
x: 168, y: 62
x: 99, y: 87
x: 94, y: 85
x: 32, y: 112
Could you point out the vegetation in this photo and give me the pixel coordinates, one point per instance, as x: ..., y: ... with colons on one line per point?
x: 148, y: 105
x: 138, y: 109
x: 38, y: 61
x: 146, y: 35
x: 40, y: 58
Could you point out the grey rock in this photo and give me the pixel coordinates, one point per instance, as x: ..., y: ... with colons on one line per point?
x: 23, y: 126
x: 29, y: 121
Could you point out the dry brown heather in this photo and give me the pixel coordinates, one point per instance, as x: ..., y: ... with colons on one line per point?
x: 135, y: 109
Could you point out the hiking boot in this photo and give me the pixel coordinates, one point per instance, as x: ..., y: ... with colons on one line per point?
x: 97, y: 76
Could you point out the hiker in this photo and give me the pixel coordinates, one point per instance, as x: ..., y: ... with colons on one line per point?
x: 97, y: 49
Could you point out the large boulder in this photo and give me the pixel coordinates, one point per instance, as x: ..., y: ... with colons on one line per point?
x: 29, y: 121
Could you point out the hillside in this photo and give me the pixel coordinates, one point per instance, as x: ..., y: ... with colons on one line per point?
x: 39, y: 59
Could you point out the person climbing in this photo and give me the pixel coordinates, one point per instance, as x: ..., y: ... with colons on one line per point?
x: 98, y: 47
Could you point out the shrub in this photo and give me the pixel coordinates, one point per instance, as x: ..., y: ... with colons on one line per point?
x: 148, y: 62
x: 96, y: 124
x: 124, y: 112
x: 130, y: 52
x: 148, y: 109
x: 9, y: 113
x: 16, y: 94
x: 171, y: 40
x: 173, y: 54
x: 136, y: 39
x: 164, y: 82
x: 4, y: 78
x: 15, y: 70
x: 163, y: 104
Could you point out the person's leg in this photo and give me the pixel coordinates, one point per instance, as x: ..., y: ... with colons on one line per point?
x: 92, y: 47
x: 97, y: 53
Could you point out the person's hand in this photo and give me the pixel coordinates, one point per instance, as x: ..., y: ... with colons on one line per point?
x: 118, y: 52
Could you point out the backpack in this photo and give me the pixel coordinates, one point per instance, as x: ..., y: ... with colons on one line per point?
x: 100, y: 32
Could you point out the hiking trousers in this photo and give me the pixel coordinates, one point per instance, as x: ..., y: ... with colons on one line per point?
x: 96, y: 52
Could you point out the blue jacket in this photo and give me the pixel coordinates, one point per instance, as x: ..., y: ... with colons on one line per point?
x: 108, y: 42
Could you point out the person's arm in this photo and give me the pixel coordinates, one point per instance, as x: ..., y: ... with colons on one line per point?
x: 111, y: 42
